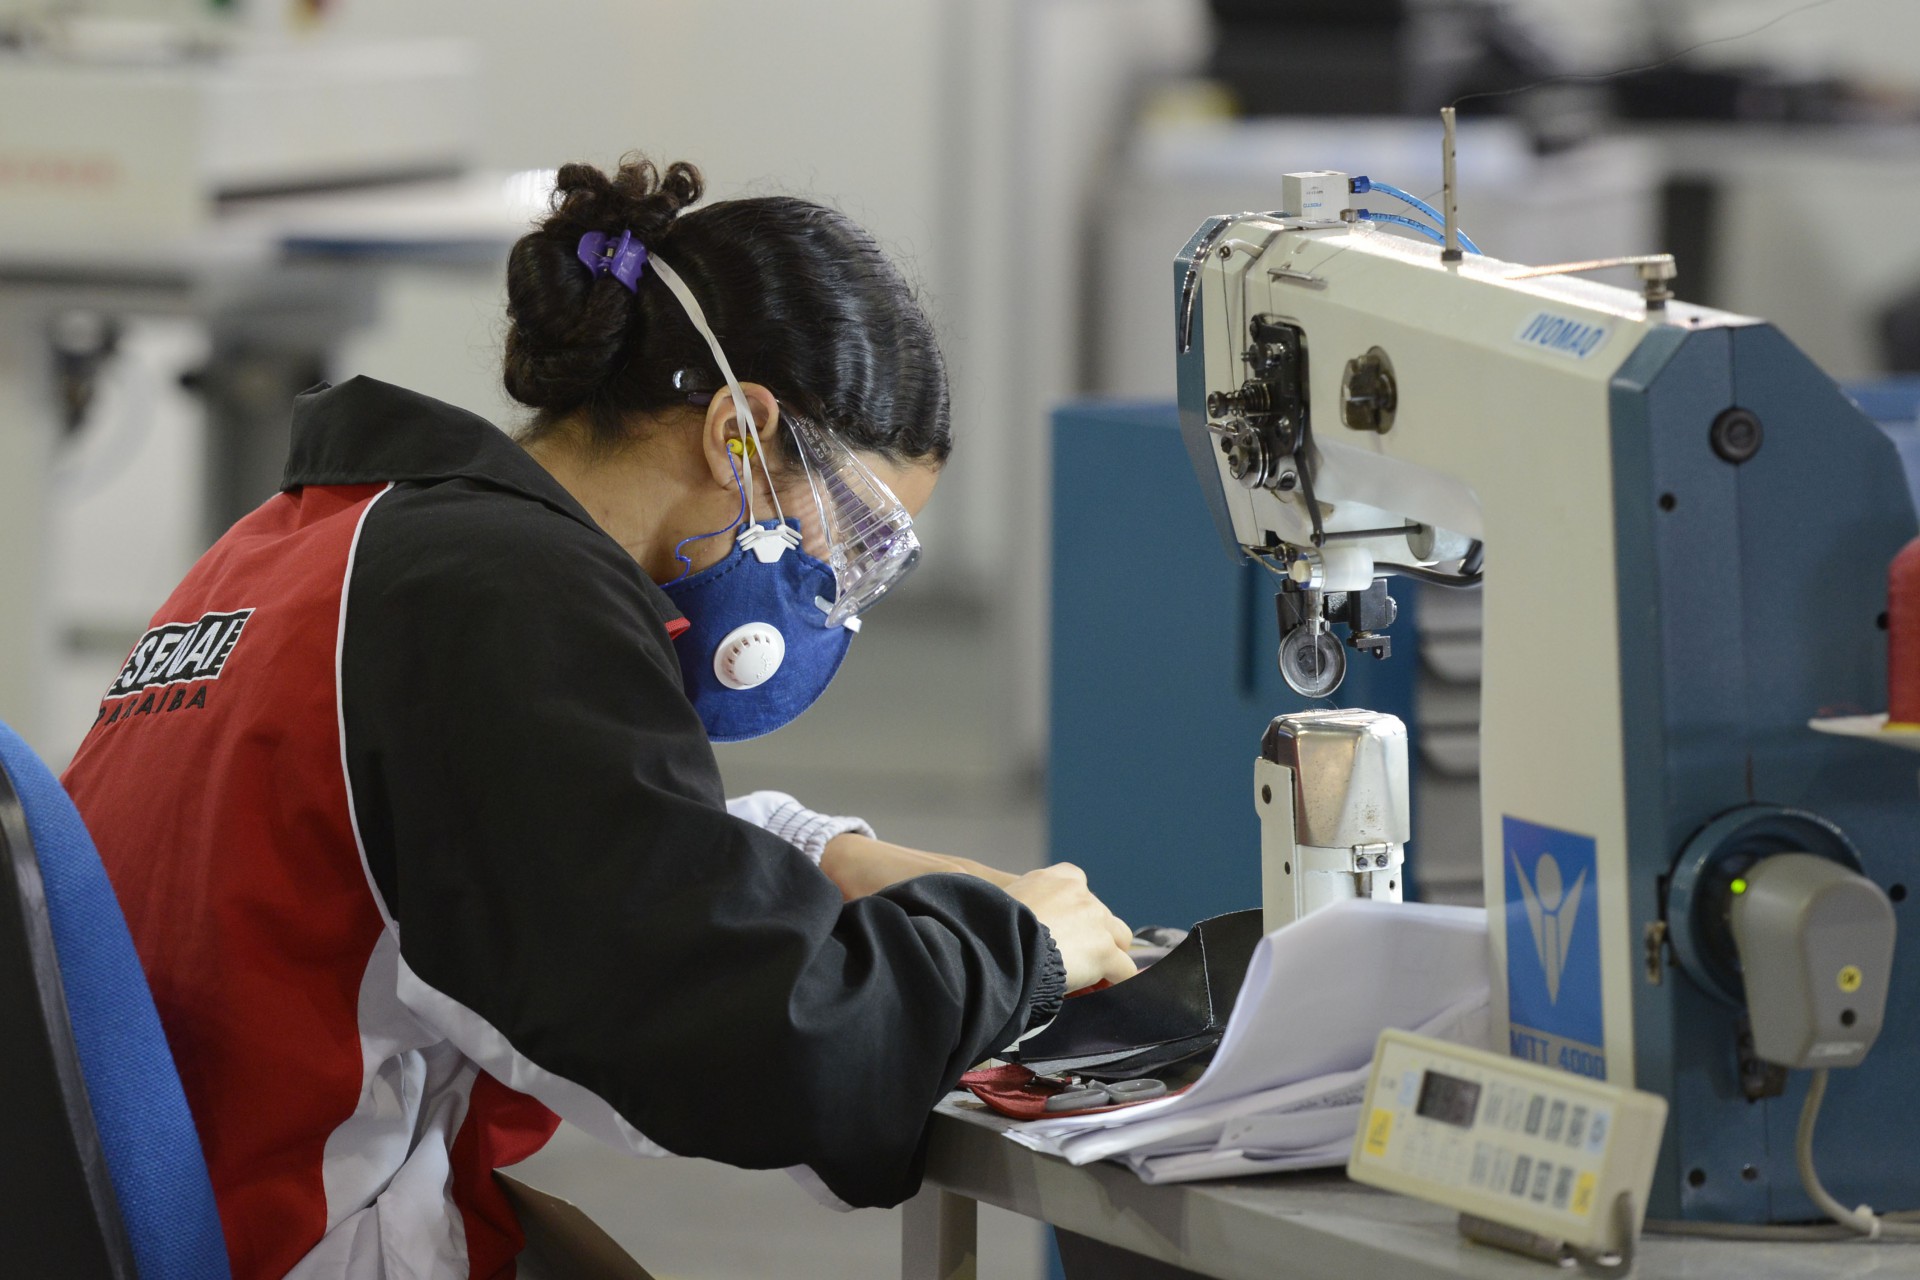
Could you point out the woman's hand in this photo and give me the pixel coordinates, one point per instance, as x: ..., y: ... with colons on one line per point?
x: 860, y: 865
x: 1092, y: 940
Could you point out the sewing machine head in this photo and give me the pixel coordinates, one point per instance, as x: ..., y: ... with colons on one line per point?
x: 1321, y: 461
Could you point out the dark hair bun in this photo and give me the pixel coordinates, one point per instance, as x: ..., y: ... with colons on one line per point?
x: 800, y: 296
x: 569, y: 329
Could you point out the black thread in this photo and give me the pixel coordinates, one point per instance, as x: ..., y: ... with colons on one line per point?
x: 1599, y: 76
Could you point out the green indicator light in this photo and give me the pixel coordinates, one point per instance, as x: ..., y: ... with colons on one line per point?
x: 1739, y: 886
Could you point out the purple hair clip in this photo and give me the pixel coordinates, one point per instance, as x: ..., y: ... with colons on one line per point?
x: 622, y: 261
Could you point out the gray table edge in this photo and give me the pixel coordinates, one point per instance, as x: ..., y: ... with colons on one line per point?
x: 1307, y: 1225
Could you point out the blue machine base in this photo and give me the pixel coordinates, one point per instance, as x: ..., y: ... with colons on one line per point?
x: 1751, y: 601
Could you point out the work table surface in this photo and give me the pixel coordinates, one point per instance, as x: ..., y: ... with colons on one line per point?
x: 1313, y: 1225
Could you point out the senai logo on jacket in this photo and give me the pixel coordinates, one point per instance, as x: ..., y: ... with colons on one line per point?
x: 181, y: 651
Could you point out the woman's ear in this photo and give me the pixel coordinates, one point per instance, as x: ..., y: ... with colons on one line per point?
x: 725, y: 440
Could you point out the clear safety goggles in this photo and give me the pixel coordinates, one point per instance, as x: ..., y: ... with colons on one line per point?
x: 867, y: 534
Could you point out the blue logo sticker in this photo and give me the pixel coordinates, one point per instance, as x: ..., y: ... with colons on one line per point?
x: 1553, y: 948
x: 1562, y: 335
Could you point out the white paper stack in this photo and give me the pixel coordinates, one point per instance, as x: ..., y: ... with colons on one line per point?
x: 1284, y: 1089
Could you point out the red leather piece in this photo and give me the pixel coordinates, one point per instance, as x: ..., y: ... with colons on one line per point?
x: 1015, y: 1092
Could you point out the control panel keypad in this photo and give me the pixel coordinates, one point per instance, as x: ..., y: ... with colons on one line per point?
x: 1506, y: 1138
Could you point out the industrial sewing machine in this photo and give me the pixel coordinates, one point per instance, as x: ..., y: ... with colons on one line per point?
x: 1684, y: 530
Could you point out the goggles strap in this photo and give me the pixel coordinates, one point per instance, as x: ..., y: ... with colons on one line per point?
x: 743, y: 410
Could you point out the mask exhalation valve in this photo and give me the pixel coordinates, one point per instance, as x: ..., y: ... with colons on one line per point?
x: 749, y: 655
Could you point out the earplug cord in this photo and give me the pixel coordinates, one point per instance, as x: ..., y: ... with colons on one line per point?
x: 680, y: 546
x: 669, y: 277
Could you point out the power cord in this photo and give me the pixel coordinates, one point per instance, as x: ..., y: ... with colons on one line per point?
x: 1861, y: 1223
x: 1862, y: 1219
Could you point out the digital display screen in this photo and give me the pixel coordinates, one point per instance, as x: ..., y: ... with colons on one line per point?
x: 1448, y: 1099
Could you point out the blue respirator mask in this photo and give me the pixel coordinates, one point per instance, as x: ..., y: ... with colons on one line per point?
x: 757, y: 650
x: 770, y: 624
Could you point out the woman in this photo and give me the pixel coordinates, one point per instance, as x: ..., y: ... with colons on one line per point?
x: 409, y: 798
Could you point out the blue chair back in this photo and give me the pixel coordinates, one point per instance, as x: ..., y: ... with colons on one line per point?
x: 102, y: 1172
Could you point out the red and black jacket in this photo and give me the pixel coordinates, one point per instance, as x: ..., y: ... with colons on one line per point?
x: 423, y: 846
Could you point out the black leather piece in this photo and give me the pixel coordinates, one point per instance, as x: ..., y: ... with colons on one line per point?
x: 1175, y: 1057
x: 1179, y: 1007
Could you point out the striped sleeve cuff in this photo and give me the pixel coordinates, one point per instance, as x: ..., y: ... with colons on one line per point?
x: 1050, y: 991
x: 799, y: 826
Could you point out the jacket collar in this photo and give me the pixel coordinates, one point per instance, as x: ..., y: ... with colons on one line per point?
x: 365, y: 431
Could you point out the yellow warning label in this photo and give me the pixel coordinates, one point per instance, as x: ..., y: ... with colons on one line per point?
x: 1379, y: 1129
x: 1583, y: 1195
x: 1850, y: 979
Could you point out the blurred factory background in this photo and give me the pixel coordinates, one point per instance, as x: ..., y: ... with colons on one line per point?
x: 205, y: 208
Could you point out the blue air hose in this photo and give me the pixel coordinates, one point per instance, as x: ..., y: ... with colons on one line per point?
x: 1363, y: 184
x: 1431, y: 233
